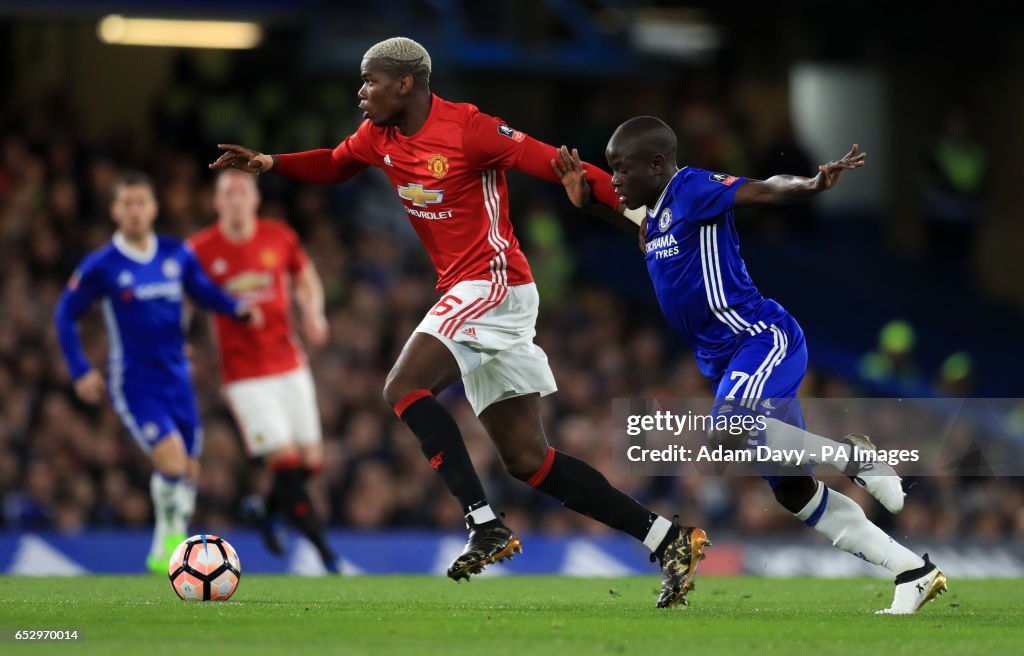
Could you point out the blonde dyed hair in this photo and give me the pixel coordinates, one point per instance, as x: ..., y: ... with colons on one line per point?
x: 402, y: 55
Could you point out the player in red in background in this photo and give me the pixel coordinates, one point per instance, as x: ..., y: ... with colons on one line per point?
x: 447, y: 161
x: 267, y: 382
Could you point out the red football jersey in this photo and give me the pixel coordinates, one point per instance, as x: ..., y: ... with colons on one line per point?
x: 257, y: 271
x: 450, y: 176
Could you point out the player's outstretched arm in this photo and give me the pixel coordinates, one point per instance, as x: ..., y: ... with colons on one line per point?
x: 491, y: 144
x: 783, y: 189
x: 320, y: 166
x: 572, y: 172
x: 243, y: 159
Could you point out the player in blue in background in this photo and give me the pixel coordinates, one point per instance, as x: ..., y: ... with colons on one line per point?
x: 749, y: 348
x: 140, y: 279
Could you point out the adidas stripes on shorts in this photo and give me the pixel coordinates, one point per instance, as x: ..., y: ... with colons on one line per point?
x: 489, y: 329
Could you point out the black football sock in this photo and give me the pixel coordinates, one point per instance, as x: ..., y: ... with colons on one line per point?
x: 256, y: 467
x: 291, y: 496
x: 442, y: 444
x: 585, y: 490
x: 279, y: 497
x: 272, y: 502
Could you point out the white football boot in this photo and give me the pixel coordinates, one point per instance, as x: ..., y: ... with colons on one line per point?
x: 915, y: 588
x: 878, y: 478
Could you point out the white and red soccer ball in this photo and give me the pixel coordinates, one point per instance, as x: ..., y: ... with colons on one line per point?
x: 204, y: 568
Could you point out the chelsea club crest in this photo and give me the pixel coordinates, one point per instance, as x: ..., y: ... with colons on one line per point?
x: 171, y: 268
x: 666, y: 219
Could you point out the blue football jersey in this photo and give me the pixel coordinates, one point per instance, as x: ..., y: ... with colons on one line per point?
x: 141, y: 295
x: 693, y: 257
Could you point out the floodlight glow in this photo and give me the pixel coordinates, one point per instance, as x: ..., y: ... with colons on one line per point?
x: 230, y: 35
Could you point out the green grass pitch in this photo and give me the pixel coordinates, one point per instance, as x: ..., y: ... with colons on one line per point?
x: 514, y: 615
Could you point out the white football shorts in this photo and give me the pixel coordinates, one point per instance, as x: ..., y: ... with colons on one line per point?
x: 489, y: 329
x: 275, y: 411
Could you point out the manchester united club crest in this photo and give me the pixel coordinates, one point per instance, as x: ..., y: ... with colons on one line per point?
x: 268, y: 258
x: 437, y: 164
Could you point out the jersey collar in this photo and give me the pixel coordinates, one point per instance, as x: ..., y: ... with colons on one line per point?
x: 244, y: 240
x: 435, y: 106
x: 134, y: 254
x: 657, y: 206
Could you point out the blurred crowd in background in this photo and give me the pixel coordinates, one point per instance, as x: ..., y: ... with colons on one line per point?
x: 65, y: 465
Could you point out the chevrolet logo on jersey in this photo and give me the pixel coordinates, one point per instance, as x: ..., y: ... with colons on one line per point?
x: 248, y: 281
x: 420, y: 197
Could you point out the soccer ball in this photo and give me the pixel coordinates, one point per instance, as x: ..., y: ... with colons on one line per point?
x: 204, y: 568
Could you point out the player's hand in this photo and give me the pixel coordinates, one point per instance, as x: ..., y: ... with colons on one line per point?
x: 91, y: 387
x: 252, y: 315
x: 569, y: 169
x: 243, y: 159
x: 315, y: 330
x: 828, y: 174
